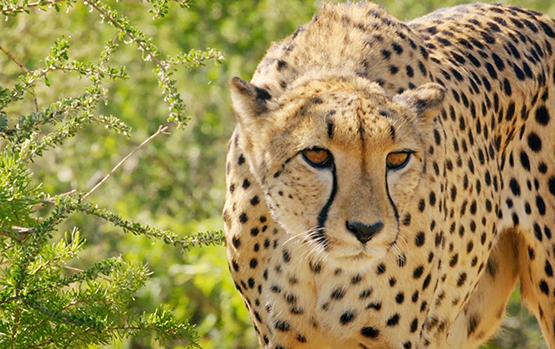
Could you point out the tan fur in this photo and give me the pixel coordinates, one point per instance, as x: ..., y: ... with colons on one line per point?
x: 355, y: 253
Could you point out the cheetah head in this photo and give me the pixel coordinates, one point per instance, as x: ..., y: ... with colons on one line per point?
x: 337, y: 159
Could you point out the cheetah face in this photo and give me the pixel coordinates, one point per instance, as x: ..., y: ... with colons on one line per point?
x: 338, y: 161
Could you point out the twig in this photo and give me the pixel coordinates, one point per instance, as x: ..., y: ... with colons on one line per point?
x: 161, y: 130
x: 17, y: 233
x: 12, y: 58
x: 31, y: 5
x: 130, y: 35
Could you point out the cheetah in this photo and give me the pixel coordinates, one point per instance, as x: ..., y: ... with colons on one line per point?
x: 388, y: 182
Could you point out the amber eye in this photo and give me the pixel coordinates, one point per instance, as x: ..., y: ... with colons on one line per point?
x: 317, y: 157
x: 398, y: 160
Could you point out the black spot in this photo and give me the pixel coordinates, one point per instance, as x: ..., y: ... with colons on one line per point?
x: 540, y: 204
x: 315, y: 268
x: 519, y: 73
x: 422, y: 68
x: 422, y: 203
x: 255, y: 201
x: 356, y: 279
x: 454, y: 260
x: 515, y: 187
x: 400, y: 298
x: 426, y: 282
x: 437, y: 137
x: 380, y: 269
x: 281, y: 65
x: 461, y: 280
x: 338, y: 293
x: 510, y: 111
x: 491, y: 71
x: 548, y: 269
x: 544, y: 287
x: 253, y: 263
x: 393, y: 321
x: 397, y: 48
x: 547, y: 29
x: 370, y: 332
x: 524, y: 160
x: 236, y: 241
x: 286, y: 256
x: 530, y: 25
x: 246, y: 184
x: 365, y: 293
x: 515, y: 218
x: 473, y: 323
x: 432, y: 198
x: 414, y: 325
x: 534, y: 142
x: 551, y: 184
x: 417, y: 273
x: 420, y: 239
x: 406, y: 220
x: 542, y: 115
x: 243, y: 218
x: 241, y: 159
x: 507, y: 87
x: 282, y: 325
x: 347, y: 317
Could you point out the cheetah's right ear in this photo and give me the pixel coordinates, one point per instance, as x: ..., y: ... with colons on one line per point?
x: 426, y: 99
x: 248, y: 100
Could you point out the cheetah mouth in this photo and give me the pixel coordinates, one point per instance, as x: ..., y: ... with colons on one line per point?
x: 361, y: 256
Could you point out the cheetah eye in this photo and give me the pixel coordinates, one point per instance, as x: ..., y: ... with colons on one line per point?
x: 397, y: 160
x: 317, y: 157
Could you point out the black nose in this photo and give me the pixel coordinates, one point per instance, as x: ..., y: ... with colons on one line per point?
x: 364, y: 232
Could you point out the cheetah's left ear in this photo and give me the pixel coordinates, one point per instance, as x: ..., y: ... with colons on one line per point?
x: 426, y: 99
x: 248, y: 100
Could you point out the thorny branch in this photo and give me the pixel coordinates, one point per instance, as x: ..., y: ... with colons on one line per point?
x: 9, y: 10
x: 161, y: 130
x: 12, y: 58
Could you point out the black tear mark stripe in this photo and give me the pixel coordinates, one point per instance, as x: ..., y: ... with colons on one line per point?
x: 391, y: 201
x: 330, y: 129
x: 320, y: 236
x: 329, y: 123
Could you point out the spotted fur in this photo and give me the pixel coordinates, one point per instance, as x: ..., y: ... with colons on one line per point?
x: 389, y: 182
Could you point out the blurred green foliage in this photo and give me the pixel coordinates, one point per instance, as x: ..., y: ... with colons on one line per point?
x: 176, y: 182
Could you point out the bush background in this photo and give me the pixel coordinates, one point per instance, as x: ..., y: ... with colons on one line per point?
x: 176, y: 182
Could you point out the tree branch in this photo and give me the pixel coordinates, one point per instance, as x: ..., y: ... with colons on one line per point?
x: 122, y: 29
x: 12, y: 58
x: 7, y: 11
x: 161, y: 130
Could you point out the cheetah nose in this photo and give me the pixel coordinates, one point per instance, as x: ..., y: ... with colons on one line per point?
x: 364, y: 232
